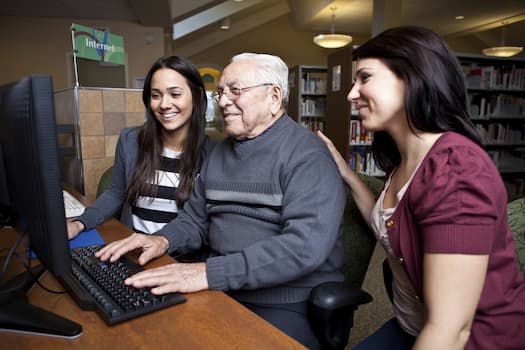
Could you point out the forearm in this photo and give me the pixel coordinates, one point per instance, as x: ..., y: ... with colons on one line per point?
x: 436, y: 337
x: 188, y: 232
x: 452, y: 285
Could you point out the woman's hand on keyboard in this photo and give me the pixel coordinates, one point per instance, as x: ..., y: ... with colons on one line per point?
x: 152, y: 247
x: 74, y: 227
x: 182, y: 278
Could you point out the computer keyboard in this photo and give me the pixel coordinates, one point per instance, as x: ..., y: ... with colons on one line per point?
x: 72, y: 205
x: 104, y: 281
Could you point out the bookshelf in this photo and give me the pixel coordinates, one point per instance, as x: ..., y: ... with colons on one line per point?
x: 307, y: 103
x: 496, y: 98
x: 360, y: 157
x: 342, y: 123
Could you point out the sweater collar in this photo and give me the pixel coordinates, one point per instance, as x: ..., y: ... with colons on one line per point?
x: 243, y: 147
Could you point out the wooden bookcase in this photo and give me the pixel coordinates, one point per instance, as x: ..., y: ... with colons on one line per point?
x: 307, y: 103
x: 342, y: 124
x: 496, y: 92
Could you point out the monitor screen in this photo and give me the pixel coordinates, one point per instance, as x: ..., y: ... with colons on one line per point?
x: 28, y: 139
x: 32, y: 192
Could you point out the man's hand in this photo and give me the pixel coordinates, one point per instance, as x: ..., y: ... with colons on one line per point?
x: 152, y: 247
x: 183, y: 278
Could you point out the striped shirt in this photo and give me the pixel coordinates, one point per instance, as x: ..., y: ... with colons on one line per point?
x: 151, y: 212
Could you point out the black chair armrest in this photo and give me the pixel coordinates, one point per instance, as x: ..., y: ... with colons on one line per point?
x: 335, y: 295
x: 331, y: 310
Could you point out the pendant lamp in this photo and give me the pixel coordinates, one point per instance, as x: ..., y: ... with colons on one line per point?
x: 502, y: 51
x: 332, y: 40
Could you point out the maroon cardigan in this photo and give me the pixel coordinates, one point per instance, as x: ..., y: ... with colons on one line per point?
x: 457, y: 203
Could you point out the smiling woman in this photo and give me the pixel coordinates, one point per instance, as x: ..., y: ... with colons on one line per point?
x: 441, y: 216
x: 156, y: 164
x: 171, y: 103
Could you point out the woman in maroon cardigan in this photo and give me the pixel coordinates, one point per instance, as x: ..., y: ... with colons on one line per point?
x: 442, y: 215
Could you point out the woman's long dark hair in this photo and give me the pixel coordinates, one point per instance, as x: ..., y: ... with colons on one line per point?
x: 150, y: 144
x: 436, y: 95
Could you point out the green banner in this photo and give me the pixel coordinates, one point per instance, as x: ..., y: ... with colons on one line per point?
x: 98, y: 45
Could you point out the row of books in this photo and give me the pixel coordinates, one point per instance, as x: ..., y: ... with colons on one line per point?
x: 501, y: 105
x: 313, y: 83
x: 361, y: 161
x: 313, y: 106
x: 498, y: 133
x: 494, y: 77
x: 313, y: 124
x: 359, y: 135
x: 508, y: 161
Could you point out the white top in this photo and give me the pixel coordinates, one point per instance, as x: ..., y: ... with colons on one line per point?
x: 409, y: 311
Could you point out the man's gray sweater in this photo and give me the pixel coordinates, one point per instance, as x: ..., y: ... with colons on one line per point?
x: 271, y: 210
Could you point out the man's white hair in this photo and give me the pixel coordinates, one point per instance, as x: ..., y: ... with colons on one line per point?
x: 272, y: 68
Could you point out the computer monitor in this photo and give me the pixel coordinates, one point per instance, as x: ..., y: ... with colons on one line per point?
x: 33, y: 194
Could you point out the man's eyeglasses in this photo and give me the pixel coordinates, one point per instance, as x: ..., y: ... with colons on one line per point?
x: 233, y: 93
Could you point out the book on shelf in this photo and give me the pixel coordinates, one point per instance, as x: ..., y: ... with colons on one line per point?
x: 313, y: 124
x: 314, y: 83
x: 499, y: 133
x: 508, y: 161
x: 313, y: 106
x: 504, y: 76
x: 359, y: 135
x: 486, y: 106
x: 360, y: 160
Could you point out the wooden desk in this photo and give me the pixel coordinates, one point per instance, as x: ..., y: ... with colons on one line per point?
x: 207, y: 320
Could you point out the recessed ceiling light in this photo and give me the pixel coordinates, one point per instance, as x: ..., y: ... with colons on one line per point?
x: 460, y: 17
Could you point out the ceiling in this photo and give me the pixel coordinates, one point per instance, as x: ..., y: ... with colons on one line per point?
x: 198, y: 20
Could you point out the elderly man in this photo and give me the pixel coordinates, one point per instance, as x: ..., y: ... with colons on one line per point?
x: 269, y: 202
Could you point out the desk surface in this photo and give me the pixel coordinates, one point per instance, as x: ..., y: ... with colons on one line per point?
x: 207, y: 320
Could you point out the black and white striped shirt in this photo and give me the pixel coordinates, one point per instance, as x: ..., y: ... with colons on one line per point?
x: 150, y: 213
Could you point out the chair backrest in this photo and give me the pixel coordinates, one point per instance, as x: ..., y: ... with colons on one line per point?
x: 358, y: 239
x: 104, y: 181
x: 516, y: 213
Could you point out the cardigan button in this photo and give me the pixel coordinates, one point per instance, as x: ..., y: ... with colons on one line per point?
x: 401, y: 261
x: 389, y: 223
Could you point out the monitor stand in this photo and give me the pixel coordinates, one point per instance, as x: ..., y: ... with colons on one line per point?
x: 18, y: 315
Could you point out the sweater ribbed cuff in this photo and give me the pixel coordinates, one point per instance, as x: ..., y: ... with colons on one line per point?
x: 215, y: 273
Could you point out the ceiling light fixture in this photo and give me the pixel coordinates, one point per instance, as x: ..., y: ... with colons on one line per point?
x: 225, y: 23
x: 332, y: 40
x: 502, y: 51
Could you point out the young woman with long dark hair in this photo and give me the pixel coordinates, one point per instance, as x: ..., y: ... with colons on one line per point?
x: 156, y: 163
x: 441, y: 216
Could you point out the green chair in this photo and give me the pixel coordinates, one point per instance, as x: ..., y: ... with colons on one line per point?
x: 104, y: 181
x: 516, y: 213
x: 103, y: 184
x: 332, y: 304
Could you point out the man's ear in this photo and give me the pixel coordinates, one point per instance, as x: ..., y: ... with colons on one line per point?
x: 277, y: 99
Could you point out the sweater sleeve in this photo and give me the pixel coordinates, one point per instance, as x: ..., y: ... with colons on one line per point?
x: 188, y: 231
x: 457, y: 199
x: 112, y: 199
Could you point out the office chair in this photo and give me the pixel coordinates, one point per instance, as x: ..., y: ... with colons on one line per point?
x: 104, y: 181
x: 103, y: 184
x: 332, y: 304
